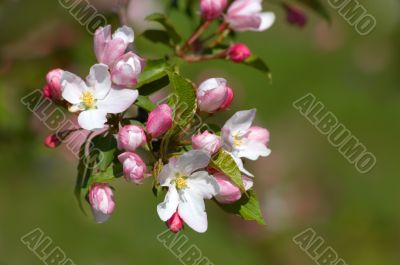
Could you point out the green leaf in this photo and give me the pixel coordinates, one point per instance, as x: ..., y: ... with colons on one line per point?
x: 145, y: 103
x: 257, y: 63
x: 104, y: 149
x: 158, y: 36
x: 153, y: 78
x: 224, y: 163
x: 182, y: 101
x: 318, y: 7
x: 163, y: 20
x: 110, y: 174
x: 247, y: 207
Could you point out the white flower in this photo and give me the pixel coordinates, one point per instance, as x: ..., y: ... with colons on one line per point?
x: 187, y: 189
x: 95, y: 98
x: 237, y: 140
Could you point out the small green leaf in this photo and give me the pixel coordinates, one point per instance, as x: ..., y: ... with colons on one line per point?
x: 113, y: 172
x: 103, y: 148
x: 145, y: 103
x: 257, y: 63
x: 224, y: 163
x: 182, y: 100
x: 158, y: 36
x: 247, y: 207
x: 153, y: 78
x: 318, y: 7
x: 163, y: 20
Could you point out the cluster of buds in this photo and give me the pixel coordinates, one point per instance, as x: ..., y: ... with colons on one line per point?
x: 159, y: 140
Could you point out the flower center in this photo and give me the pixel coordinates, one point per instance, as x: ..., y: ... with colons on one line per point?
x: 181, y: 182
x: 88, y: 99
x: 236, y: 140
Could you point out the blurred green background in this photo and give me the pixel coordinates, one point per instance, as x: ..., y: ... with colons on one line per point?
x: 304, y: 183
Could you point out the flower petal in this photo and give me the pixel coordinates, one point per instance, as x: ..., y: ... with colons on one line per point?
x: 117, y: 100
x: 252, y: 150
x: 202, y: 184
x: 92, y: 119
x: 240, y: 121
x: 167, y: 208
x: 192, y: 210
x: 72, y: 87
x: 125, y: 33
x: 192, y: 161
x: 99, y: 78
x: 267, y: 19
x: 239, y: 163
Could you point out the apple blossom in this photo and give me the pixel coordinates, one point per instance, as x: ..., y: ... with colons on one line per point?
x: 109, y: 48
x: 212, y: 9
x: 159, y: 121
x: 246, y: 15
x: 207, y: 142
x: 238, y: 52
x: 212, y: 95
x: 52, y: 141
x: 241, y: 141
x: 175, y: 223
x: 130, y: 137
x: 188, y: 186
x: 228, y: 100
x: 101, y: 201
x: 126, y: 69
x: 53, y: 88
x: 133, y: 166
x: 96, y: 98
x: 229, y: 192
x: 258, y: 134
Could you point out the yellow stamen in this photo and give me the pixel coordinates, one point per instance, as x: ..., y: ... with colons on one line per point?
x: 181, y: 182
x: 236, y: 140
x: 88, y: 100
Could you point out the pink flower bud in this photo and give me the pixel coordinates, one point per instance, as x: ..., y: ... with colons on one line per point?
x: 159, y: 121
x: 175, y: 223
x: 228, y: 99
x: 54, y: 83
x: 238, y: 52
x: 295, y: 16
x: 130, y: 137
x: 133, y: 166
x: 102, y: 202
x: 258, y: 134
x: 246, y: 15
x: 46, y: 91
x: 126, y: 69
x: 109, y: 48
x: 212, y: 94
x: 229, y: 193
x: 52, y: 141
x: 212, y: 9
x: 206, y: 141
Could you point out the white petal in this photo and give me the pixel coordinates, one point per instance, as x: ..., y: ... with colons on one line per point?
x: 117, y: 100
x: 202, y: 184
x: 125, y: 33
x: 167, y: 208
x: 99, y: 78
x: 211, y: 84
x: 192, y: 210
x: 72, y: 87
x: 240, y: 121
x: 239, y: 163
x: 92, y: 119
x: 252, y: 150
x: 167, y: 173
x: 267, y: 19
x: 192, y: 161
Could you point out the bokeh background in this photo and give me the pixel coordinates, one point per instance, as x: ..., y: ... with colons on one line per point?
x: 304, y: 183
